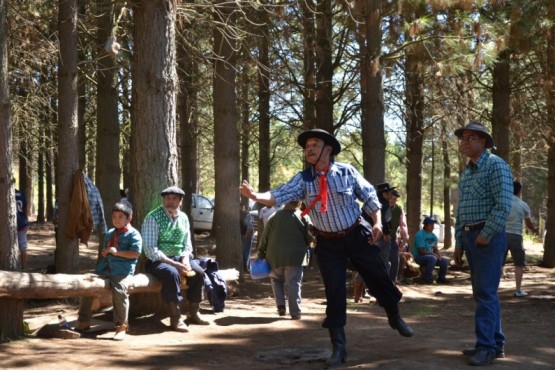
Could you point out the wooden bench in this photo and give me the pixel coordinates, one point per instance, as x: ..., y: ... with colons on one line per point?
x: 25, y: 285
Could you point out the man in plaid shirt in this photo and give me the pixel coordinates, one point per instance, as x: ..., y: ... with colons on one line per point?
x: 485, y: 193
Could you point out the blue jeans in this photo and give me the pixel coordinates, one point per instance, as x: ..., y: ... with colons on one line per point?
x: 485, y: 273
x: 429, y: 262
x: 171, y: 280
x: 287, y: 280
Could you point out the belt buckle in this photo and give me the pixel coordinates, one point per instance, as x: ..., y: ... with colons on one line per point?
x: 341, y: 234
x: 467, y: 228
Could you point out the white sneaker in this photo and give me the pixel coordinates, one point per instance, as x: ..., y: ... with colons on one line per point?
x: 520, y: 293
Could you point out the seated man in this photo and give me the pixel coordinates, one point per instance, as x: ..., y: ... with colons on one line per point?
x: 426, y: 253
x: 167, y: 246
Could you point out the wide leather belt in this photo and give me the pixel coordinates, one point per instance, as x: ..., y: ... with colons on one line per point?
x: 474, y: 226
x: 338, y: 234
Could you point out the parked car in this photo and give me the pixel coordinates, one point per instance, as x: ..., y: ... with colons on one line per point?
x: 202, y: 212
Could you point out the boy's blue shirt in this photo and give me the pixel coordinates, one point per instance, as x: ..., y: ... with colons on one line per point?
x: 129, y: 240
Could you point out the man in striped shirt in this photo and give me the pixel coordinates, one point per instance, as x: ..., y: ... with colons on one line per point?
x: 485, y: 193
x: 331, y: 190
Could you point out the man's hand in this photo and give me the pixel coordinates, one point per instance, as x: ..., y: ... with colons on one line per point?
x: 377, y: 233
x: 457, y: 256
x: 246, y: 190
x: 481, y: 241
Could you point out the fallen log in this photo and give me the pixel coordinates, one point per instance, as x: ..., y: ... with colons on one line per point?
x: 25, y: 285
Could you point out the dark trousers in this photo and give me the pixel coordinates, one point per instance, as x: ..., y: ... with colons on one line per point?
x: 170, y: 279
x: 332, y: 259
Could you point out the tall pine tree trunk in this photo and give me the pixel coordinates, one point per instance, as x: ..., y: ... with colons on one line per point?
x: 415, y: 136
x: 324, y: 70
x: 187, y: 107
x: 373, y: 132
x: 549, y: 245
x: 226, y: 157
x: 264, y: 164
x: 11, y: 310
x: 108, y: 168
x: 67, y: 250
x: 153, y: 138
x: 501, y: 107
x: 309, y: 64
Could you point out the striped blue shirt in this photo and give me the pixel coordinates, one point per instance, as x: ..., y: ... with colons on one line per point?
x: 345, y: 186
x: 485, y: 194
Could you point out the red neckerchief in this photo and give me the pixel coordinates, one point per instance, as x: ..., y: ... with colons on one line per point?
x: 113, y: 242
x: 322, y: 193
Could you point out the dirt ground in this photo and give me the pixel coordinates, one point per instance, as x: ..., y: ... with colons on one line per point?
x: 250, y: 335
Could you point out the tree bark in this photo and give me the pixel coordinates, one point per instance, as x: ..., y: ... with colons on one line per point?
x: 372, y: 130
x: 226, y: 157
x: 264, y: 160
x: 108, y: 169
x: 153, y: 139
x: 415, y: 138
x: 501, y: 108
x: 324, y: 70
x: 11, y: 311
x: 67, y: 250
x: 447, y: 236
x: 309, y: 64
x: 187, y: 108
x: 549, y: 244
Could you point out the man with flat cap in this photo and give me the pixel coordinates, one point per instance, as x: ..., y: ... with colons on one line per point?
x: 331, y: 190
x: 485, y: 194
x: 169, y: 252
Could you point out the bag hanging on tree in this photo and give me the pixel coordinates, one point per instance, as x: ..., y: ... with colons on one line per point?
x: 260, y: 268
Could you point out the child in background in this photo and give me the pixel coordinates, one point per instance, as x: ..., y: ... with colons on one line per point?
x: 121, y: 250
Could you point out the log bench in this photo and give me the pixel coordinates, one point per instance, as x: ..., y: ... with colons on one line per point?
x: 26, y: 285
x: 144, y: 289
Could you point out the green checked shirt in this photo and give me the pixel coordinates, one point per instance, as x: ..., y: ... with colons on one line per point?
x: 485, y: 194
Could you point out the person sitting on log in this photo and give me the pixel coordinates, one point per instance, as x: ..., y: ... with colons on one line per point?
x: 121, y: 250
x: 169, y: 252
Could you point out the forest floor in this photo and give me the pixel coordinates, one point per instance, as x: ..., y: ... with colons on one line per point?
x: 250, y: 335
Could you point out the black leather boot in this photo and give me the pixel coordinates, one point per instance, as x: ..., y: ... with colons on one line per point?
x: 338, y: 340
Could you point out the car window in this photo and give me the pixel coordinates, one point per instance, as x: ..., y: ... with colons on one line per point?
x: 203, y: 203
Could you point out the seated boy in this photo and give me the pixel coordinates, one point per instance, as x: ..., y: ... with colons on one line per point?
x: 121, y: 249
x: 426, y: 253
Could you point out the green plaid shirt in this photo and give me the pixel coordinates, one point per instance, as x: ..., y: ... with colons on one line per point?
x: 485, y: 194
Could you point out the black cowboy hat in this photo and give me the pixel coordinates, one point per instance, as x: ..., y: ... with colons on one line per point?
x: 480, y: 129
x: 385, y: 187
x: 318, y: 133
x: 173, y: 190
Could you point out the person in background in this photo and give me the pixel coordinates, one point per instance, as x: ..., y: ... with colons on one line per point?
x: 247, y: 236
x: 331, y: 191
x: 263, y: 215
x: 169, y: 252
x: 121, y: 250
x: 519, y: 215
x: 485, y: 193
x: 22, y: 226
x: 285, y: 246
x: 398, y: 226
x: 426, y: 253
